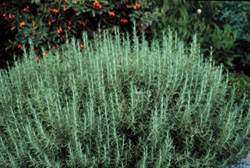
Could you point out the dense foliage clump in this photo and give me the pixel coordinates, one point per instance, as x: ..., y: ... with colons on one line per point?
x: 237, y: 16
x: 200, y: 17
x: 120, y: 103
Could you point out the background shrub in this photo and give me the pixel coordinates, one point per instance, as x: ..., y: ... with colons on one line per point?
x: 49, y: 23
x: 113, y: 104
x: 241, y: 82
x: 182, y: 17
x: 237, y: 16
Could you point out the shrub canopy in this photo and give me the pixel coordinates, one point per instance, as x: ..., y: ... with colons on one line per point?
x: 119, y: 103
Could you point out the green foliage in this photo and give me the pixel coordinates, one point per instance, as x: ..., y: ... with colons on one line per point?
x: 222, y: 41
x: 242, y: 84
x: 237, y: 16
x: 183, y: 17
x: 117, y: 104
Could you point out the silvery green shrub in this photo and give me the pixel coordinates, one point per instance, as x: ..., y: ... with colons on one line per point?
x: 119, y: 103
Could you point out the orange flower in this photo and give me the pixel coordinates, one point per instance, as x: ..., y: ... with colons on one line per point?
x: 127, y: 6
x: 22, y: 23
x: 137, y: 6
x: 126, y: 0
x: 55, y: 10
x: 96, y: 5
x: 4, y: 15
x: 53, y: 47
x: 33, y: 25
x: 41, y: 9
x: 59, y: 30
x: 9, y: 16
x: 111, y: 14
x: 83, y: 23
x: 20, y: 46
x: 69, y: 22
x: 46, y: 54
x: 69, y: 27
x: 124, y: 20
x: 81, y: 46
x: 26, y: 9
x: 65, y: 1
x: 49, y: 23
x: 64, y: 8
x: 37, y: 57
x: 13, y: 16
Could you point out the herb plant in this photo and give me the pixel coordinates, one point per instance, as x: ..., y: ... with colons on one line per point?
x: 113, y: 102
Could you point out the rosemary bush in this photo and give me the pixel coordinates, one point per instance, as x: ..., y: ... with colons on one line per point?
x: 120, y: 103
